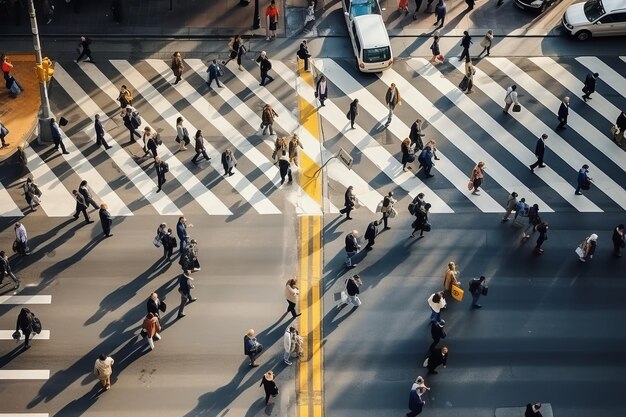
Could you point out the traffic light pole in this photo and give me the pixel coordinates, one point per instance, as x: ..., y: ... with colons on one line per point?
x: 45, y: 132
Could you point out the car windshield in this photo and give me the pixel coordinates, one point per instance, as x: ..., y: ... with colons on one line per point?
x: 593, y: 10
x: 362, y: 7
x: 376, y: 54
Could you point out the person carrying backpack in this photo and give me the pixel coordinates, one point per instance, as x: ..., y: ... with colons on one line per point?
x: 27, y: 323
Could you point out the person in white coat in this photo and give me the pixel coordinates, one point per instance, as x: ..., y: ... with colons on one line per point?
x: 287, y: 341
x: 510, y: 98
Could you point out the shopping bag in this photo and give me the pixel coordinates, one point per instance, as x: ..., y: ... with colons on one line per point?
x: 470, y: 185
x: 393, y: 213
x: 344, y: 297
x: 157, y: 242
x: 457, y: 292
x: 517, y: 108
x: 580, y: 252
x: 464, y: 83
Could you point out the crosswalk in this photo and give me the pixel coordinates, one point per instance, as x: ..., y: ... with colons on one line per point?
x: 467, y: 128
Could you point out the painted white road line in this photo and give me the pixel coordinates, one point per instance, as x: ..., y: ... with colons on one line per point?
x: 8, y: 208
x: 561, y: 148
x: 24, y: 415
x: 204, y: 197
x: 612, y: 78
x: 561, y: 75
x: 24, y: 374
x: 8, y: 335
x: 604, y: 182
x: 312, y: 147
x: 56, y: 200
x: 600, y: 140
x: 238, y: 181
x: 25, y: 299
x: 379, y: 155
x: 146, y: 185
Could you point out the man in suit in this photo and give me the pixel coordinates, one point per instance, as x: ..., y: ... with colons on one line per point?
x: 416, y: 134
x: 83, y: 189
x: 161, y: 169
x: 590, y: 85
x: 100, y: 132
x: 56, y: 136
x: 437, y: 357
x: 540, y: 149
x: 563, y: 112
x: 476, y: 286
x: 81, y: 206
x: 371, y: 232
x: 466, y: 42
x: 185, y: 284
x: 181, y: 231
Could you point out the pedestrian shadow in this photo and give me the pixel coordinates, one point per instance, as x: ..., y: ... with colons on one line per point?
x: 333, y: 319
x: 4, y: 361
x: 453, y: 24
x: 117, y: 298
x: 330, y: 230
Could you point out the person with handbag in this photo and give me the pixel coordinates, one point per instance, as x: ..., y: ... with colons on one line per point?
x: 25, y: 325
x: 533, y: 221
x: 267, y: 119
x: 269, y: 386
x: 185, y: 284
x: 511, y: 204
x: 590, y: 85
x: 81, y: 207
x: 353, y: 112
x: 540, y: 150
x: 130, y: 122
x: 477, y: 288
x: 57, y: 138
x: 30, y: 193
x: 264, y: 66
x: 303, y: 54
x: 125, y: 97
x: 200, y: 148
x: 469, y: 75
x: 155, y: 306
x: 370, y: 234
x: 408, y: 153
x: 477, y: 177
x: 237, y: 49
x: 437, y: 357
x: 271, y: 20
x: 182, y: 135
x: 421, y: 220
x: 450, y: 277
x: 251, y: 347
x: 151, y: 327
x: 352, y: 291
x: 102, y: 369
x: 437, y: 333
x: 542, y: 229
x: 5, y: 270
x: 588, y: 247
x: 228, y: 162
x: 386, y: 208
x: 510, y: 98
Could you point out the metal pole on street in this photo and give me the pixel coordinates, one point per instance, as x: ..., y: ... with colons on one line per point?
x: 45, y: 132
x: 256, y: 24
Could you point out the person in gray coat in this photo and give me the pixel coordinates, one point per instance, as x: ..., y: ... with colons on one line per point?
x: 185, y: 284
x: 228, y: 162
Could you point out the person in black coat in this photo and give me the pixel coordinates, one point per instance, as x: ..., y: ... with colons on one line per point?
x: 416, y: 404
x: 127, y: 117
x: 352, y: 246
x: 303, y: 54
x: 152, y: 144
x: 353, y: 112
x: 416, y: 134
x: 185, y: 284
x: 200, y: 148
x: 590, y: 85
x: 371, y: 232
x: 437, y: 333
x: 100, y: 132
x: 265, y: 65
x: 563, y: 113
x: 349, y: 202
x: 618, y: 240
x: 106, y: 220
x: 155, y: 306
x: 321, y: 89
x: 421, y: 219
x: 269, y: 386
x: 466, y: 42
x: 25, y: 324
x: 86, y: 193
x: 621, y: 126
x: 532, y: 410
x: 5, y: 270
x: 542, y: 228
x: 540, y: 150
x: 161, y: 169
x: 426, y: 160
x: 437, y: 357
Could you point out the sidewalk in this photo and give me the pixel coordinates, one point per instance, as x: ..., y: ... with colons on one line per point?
x: 19, y: 114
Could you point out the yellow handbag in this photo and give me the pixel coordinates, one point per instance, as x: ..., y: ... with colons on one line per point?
x: 457, y: 292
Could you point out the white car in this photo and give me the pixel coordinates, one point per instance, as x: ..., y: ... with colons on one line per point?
x: 595, y: 18
x: 368, y: 34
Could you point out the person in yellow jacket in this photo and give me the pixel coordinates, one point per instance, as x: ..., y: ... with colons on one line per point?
x: 450, y: 277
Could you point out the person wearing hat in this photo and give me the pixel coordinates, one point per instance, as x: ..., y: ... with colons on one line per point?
x: 583, y: 179
x: 540, y: 150
x: 590, y: 85
x: 265, y: 65
x: 251, y: 347
x: 352, y: 247
x: 269, y: 386
x: 437, y: 333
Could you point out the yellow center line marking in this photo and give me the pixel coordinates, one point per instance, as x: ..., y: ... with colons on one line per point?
x: 310, y: 369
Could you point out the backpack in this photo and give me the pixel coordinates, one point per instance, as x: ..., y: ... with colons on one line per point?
x: 135, y: 119
x: 159, y: 141
x: 422, y: 157
x: 412, y: 208
x: 36, y: 325
x: 522, y: 209
x: 166, y: 167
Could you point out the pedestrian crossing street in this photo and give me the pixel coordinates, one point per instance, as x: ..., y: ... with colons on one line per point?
x: 467, y: 127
